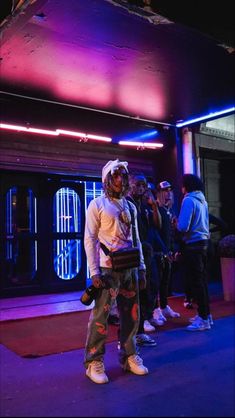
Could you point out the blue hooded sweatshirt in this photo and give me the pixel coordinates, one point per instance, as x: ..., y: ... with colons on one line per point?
x: 193, y: 219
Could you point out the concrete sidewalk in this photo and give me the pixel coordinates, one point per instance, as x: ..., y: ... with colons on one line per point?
x: 190, y: 375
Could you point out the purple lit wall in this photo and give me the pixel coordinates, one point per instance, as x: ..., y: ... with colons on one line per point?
x: 94, y: 54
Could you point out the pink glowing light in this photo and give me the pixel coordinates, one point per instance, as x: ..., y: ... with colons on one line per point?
x: 56, y: 132
x: 84, y: 136
x: 188, y: 162
x: 25, y: 129
x: 71, y: 133
x: 99, y: 138
x: 142, y: 145
x: 93, y: 71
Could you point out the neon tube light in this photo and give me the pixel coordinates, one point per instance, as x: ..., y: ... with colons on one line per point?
x: 187, y: 144
x: 141, y: 145
x: 84, y: 136
x: 71, y: 133
x: 25, y: 129
x: 99, y: 138
x: 208, y: 116
x: 56, y: 132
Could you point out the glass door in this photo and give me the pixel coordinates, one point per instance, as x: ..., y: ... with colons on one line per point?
x: 18, y: 234
x: 41, y: 234
x: 68, y: 230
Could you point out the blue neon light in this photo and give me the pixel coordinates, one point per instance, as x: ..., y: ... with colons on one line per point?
x: 67, y: 219
x: 140, y: 136
x: 208, y: 116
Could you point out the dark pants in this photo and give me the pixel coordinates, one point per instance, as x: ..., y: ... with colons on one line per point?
x: 147, y: 296
x: 195, y: 267
x: 164, y: 266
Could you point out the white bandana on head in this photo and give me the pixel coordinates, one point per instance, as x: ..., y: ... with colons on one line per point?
x: 111, y: 166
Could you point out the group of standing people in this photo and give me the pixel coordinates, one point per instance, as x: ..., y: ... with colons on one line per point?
x: 154, y: 224
x: 129, y: 214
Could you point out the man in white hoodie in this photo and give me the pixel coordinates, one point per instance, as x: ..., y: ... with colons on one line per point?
x: 109, y: 223
x: 193, y: 223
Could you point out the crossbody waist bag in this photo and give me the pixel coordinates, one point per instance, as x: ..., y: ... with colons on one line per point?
x: 125, y: 258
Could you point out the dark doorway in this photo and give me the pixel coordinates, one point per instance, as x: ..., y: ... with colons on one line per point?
x: 218, y: 172
x: 42, y: 227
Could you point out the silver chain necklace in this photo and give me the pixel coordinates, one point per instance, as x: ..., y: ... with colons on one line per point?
x: 124, y: 216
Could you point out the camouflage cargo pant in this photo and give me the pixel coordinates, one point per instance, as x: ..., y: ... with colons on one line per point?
x: 122, y: 286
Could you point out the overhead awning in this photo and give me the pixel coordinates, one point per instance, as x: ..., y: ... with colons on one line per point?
x: 97, y: 55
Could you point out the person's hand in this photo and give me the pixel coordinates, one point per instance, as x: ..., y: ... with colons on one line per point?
x: 174, y: 222
x: 170, y: 256
x: 150, y: 200
x: 96, y: 280
x: 142, y: 279
x: 178, y: 256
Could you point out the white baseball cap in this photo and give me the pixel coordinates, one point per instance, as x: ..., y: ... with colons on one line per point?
x: 164, y: 185
x: 111, y: 166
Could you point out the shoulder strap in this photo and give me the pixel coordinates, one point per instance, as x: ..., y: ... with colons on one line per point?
x: 133, y: 224
x: 104, y: 248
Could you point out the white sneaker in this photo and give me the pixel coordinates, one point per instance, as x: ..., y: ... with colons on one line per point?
x: 159, y: 317
x: 135, y: 365
x: 148, y: 327
x: 199, y: 324
x: 156, y: 322
x: 210, y: 319
x: 145, y: 340
x: 168, y: 312
x: 96, y: 372
x: 188, y: 304
x: 193, y: 318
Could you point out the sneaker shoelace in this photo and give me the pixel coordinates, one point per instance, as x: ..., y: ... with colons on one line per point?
x: 146, y: 338
x: 209, y: 318
x: 99, y: 367
x: 198, y: 321
x: 193, y: 318
x: 141, y: 337
x: 159, y: 315
x: 147, y: 324
x: 171, y: 312
x: 137, y: 360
